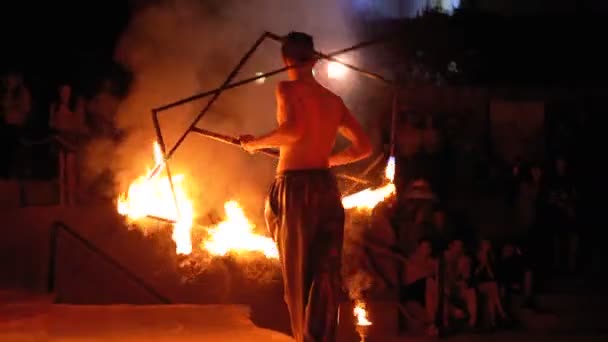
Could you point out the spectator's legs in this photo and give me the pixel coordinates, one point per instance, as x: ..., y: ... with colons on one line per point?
x: 471, y: 299
x: 494, y: 305
x: 4, y: 152
x: 487, y: 290
x: 527, y: 288
x: 556, y: 251
x: 10, y: 144
x: 431, y: 298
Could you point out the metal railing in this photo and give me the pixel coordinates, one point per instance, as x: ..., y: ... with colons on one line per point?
x: 59, y: 227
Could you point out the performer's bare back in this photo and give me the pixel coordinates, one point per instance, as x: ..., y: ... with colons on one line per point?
x: 319, y: 115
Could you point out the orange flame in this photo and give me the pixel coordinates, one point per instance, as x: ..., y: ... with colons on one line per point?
x: 235, y: 234
x: 361, y: 314
x: 151, y: 195
x: 369, y: 198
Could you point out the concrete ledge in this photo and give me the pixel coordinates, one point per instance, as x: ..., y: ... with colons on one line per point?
x: 39, y: 193
x: 10, y: 194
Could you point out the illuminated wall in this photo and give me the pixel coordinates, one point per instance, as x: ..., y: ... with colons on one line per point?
x: 402, y: 8
x: 412, y: 8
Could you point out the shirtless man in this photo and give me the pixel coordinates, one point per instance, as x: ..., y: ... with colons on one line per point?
x: 304, y: 212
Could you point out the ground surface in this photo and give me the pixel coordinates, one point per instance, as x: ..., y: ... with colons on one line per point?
x: 33, y: 318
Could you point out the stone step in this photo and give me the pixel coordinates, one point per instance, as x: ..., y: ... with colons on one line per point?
x: 11, y: 194
x: 596, y: 284
x: 36, y: 193
x: 571, y: 322
x: 19, y: 308
x: 572, y: 302
x: 24, y: 193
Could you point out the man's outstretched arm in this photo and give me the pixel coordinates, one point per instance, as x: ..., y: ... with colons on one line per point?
x: 290, y: 126
x: 360, y: 144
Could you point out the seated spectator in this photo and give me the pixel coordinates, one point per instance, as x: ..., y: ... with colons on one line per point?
x: 68, y: 121
x: 485, y: 275
x: 441, y: 230
x: 459, y: 286
x: 529, y: 190
x: 419, y: 283
x: 515, y: 275
x: 381, y: 246
x: 416, y: 215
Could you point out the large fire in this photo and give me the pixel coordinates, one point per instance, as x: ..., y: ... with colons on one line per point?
x: 150, y: 196
x: 369, y: 198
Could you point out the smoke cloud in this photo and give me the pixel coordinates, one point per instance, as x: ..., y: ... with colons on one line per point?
x: 176, y: 48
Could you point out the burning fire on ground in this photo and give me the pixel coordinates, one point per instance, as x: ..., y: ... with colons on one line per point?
x: 150, y: 196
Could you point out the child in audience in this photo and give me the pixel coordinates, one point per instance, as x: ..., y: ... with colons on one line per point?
x: 420, y: 283
x: 515, y: 275
x: 485, y: 275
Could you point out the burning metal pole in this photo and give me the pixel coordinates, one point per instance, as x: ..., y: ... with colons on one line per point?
x: 164, y: 163
x: 227, y: 85
x: 272, y: 153
x: 167, y: 154
x: 394, y: 113
x: 229, y: 140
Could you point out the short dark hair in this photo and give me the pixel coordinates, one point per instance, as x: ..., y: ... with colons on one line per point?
x: 425, y: 239
x: 299, y: 47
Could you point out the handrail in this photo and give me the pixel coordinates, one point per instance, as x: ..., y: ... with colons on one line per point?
x: 60, y: 226
x: 49, y: 139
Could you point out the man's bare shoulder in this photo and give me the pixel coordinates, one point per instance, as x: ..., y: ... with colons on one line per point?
x: 286, y: 87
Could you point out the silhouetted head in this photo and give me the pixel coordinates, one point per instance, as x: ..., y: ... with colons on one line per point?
x: 298, y: 49
x: 537, y: 173
x: 65, y: 92
x: 561, y: 165
x: 425, y: 247
x: 485, y: 246
x: 456, y: 246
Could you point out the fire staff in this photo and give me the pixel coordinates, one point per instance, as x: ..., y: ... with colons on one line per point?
x: 304, y: 212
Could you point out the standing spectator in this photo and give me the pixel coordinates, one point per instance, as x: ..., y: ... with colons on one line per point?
x: 68, y: 122
x: 529, y: 191
x: 514, y: 181
x: 16, y: 108
x: 561, y: 215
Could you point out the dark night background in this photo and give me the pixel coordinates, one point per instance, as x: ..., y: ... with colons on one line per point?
x: 57, y: 41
